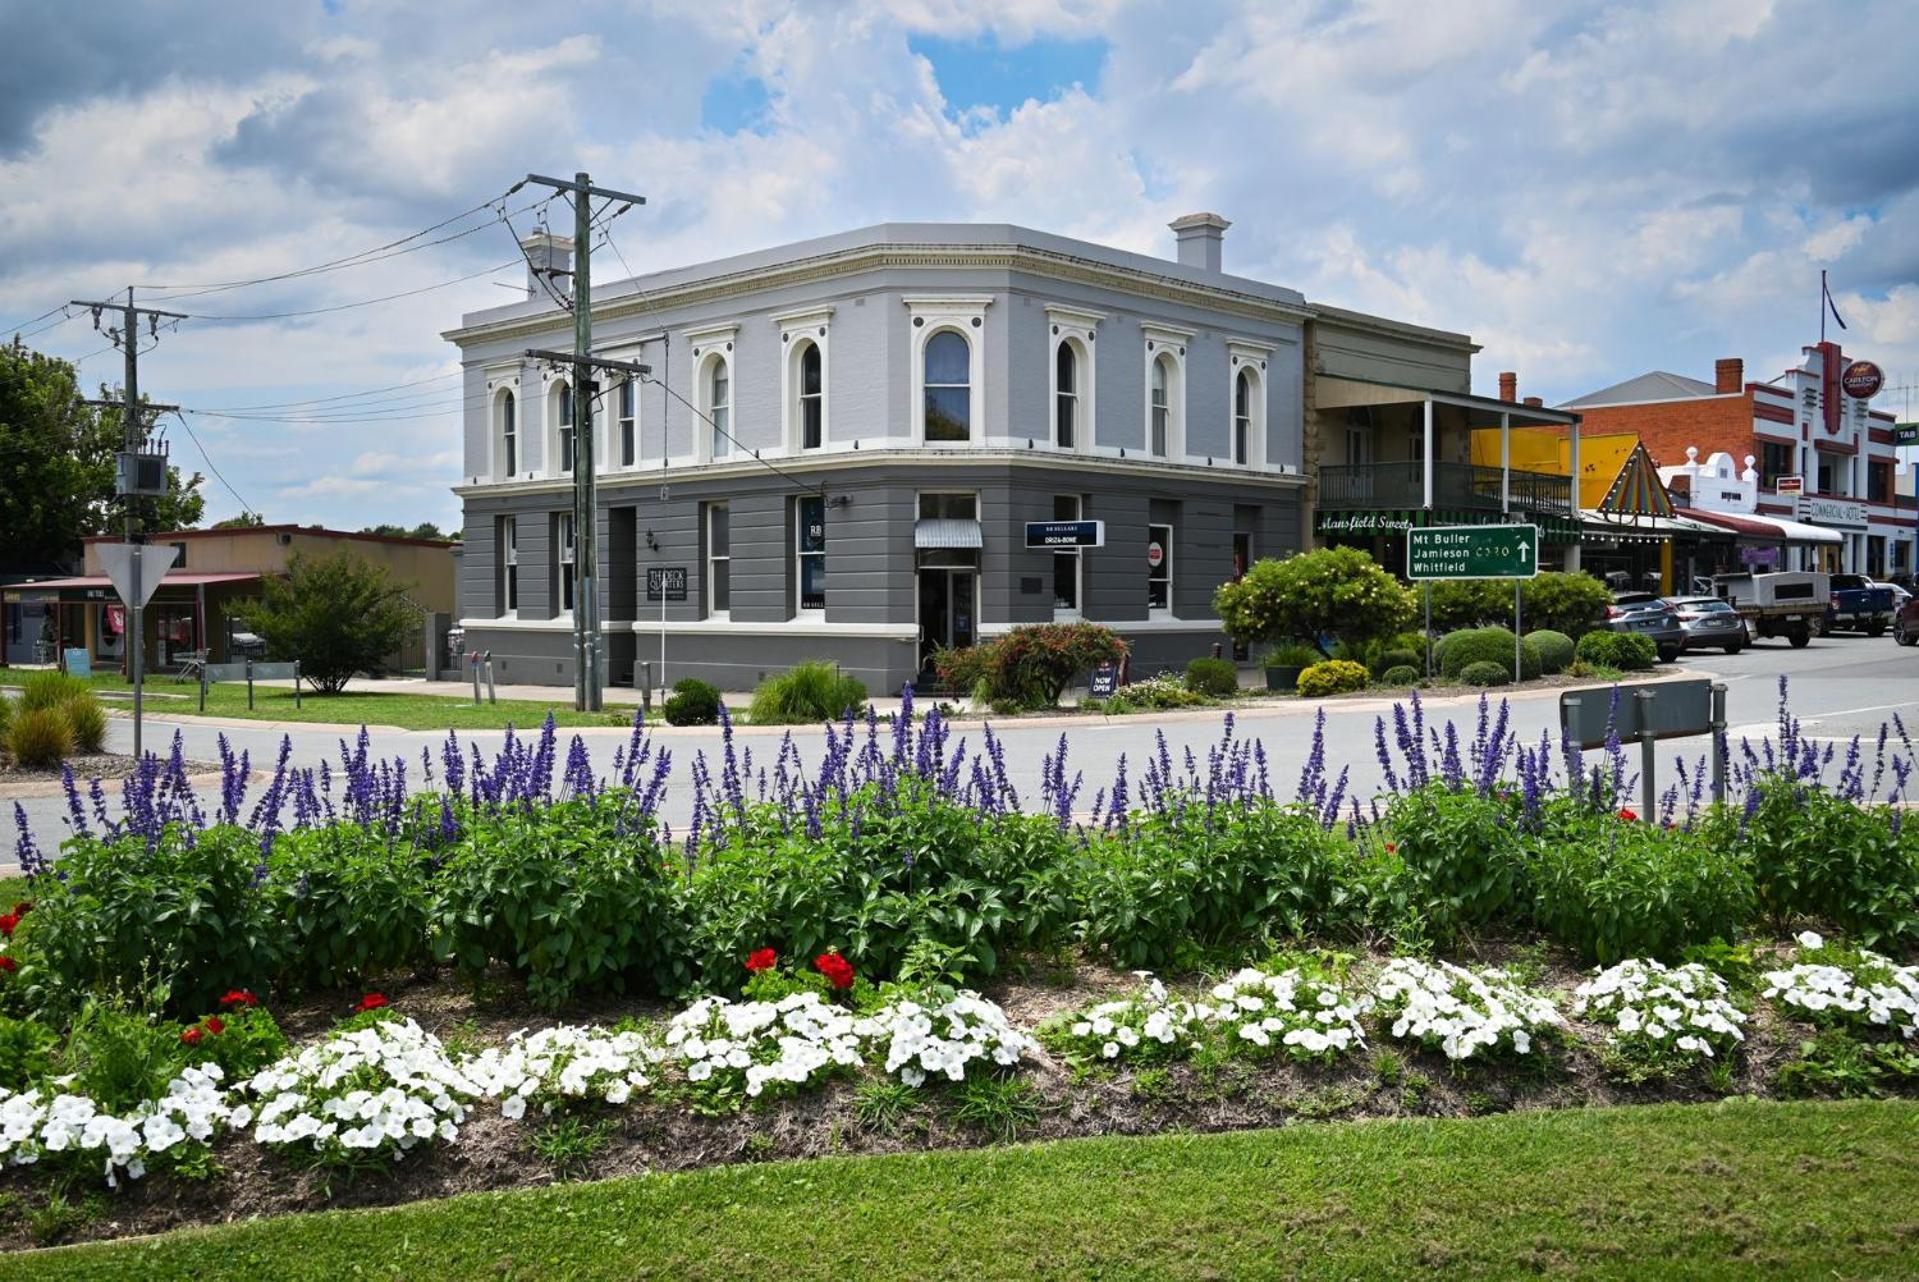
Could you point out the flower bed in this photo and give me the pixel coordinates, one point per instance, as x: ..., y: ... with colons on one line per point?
x: 1464, y: 1013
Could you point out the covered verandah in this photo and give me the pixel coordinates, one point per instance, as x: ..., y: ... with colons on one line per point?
x: 188, y: 613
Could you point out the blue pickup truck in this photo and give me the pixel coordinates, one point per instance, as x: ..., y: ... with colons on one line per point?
x: 1860, y: 605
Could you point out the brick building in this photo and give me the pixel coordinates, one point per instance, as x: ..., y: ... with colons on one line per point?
x: 1824, y: 458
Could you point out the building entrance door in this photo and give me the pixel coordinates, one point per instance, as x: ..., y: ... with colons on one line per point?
x: 948, y: 612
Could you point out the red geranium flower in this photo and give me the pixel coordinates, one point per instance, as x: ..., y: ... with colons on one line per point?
x: 372, y: 1001
x: 22, y: 908
x: 1628, y: 815
x: 761, y: 959
x: 1391, y: 846
x: 216, y: 1025
x: 240, y: 997
x: 7, y: 923
x: 838, y: 971
x: 7, y: 963
x: 192, y: 1036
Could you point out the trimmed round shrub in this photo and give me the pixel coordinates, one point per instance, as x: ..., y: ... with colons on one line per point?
x: 40, y: 738
x: 1484, y: 673
x: 693, y: 703
x: 1555, y: 650
x: 1484, y: 645
x: 1216, y: 677
x: 807, y: 692
x: 1390, y: 659
x: 1627, y: 651
x: 89, y: 723
x: 1400, y: 674
x: 1335, y: 676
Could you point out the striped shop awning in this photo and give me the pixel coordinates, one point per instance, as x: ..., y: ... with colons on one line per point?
x: 947, y: 532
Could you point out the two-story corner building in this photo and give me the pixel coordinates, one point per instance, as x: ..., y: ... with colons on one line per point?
x: 1825, y: 459
x: 842, y: 442
x: 1396, y: 440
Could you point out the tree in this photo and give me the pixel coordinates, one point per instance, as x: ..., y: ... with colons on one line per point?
x: 424, y: 530
x: 339, y: 615
x: 1335, y: 592
x: 244, y: 521
x: 57, y: 465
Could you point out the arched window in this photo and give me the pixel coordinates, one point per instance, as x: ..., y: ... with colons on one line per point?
x: 629, y: 423
x: 563, y: 403
x: 1243, y: 417
x: 1065, y: 395
x: 1160, y: 428
x: 812, y: 397
x: 949, y: 387
x: 509, y: 437
x: 719, y: 406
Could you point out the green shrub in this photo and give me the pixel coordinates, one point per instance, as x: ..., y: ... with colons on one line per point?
x: 575, y: 900
x: 88, y: 721
x: 1337, y: 592
x: 693, y: 703
x: 1626, y: 651
x: 1460, y: 604
x: 1157, y: 692
x: 1570, y: 603
x: 1815, y: 854
x: 1173, y: 886
x: 1390, y: 659
x: 241, y: 1037
x: 807, y: 693
x: 339, y: 615
x: 1483, y: 673
x: 119, y: 1057
x: 1031, y: 665
x: 26, y: 1053
x: 40, y: 738
x: 51, y: 689
x: 6, y: 718
x: 353, y: 903
x: 1335, y: 676
x: 968, y: 669
x: 1292, y: 655
x: 1450, y: 862
x: 1403, y: 674
x: 1609, y: 888
x: 1555, y: 650
x: 1485, y: 645
x: 1215, y: 677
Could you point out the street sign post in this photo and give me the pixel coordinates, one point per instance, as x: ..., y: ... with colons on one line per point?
x: 135, y: 570
x: 1648, y: 712
x: 664, y: 583
x: 1454, y: 552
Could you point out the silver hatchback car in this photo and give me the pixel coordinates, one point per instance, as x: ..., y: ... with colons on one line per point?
x: 1710, y: 623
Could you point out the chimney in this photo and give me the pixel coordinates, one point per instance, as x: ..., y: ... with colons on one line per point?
x: 1509, y: 386
x: 1729, y: 375
x: 1200, y: 237
x: 550, y: 256
x: 1534, y: 401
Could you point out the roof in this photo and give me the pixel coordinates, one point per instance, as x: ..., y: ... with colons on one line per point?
x: 1775, y: 528
x: 1656, y: 385
x: 947, y: 532
x: 312, y: 531
x: 172, y: 579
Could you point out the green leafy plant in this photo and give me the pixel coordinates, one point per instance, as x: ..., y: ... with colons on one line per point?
x: 882, y: 1104
x: 1461, y: 604
x: 1001, y: 1107
x: 1568, y: 603
x: 1215, y: 677
x: 1450, y: 862
x: 1819, y: 855
x: 1333, y: 592
x: 693, y: 703
x: 1485, y: 645
x: 121, y: 1057
x: 1555, y: 650
x: 354, y: 904
x: 52, y: 689
x: 1292, y: 655
x: 40, y: 738
x: 1482, y: 673
x: 1626, y: 651
x: 26, y: 1052
x: 240, y: 1036
x: 569, y: 1143
x: 806, y: 693
x: 1334, y: 676
x: 338, y: 615
x: 1401, y: 675
x: 1031, y: 665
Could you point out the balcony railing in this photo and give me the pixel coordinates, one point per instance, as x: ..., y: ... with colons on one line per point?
x: 1455, y: 485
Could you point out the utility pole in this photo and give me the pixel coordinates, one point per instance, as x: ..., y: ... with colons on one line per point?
x: 589, y: 681
x: 133, y: 435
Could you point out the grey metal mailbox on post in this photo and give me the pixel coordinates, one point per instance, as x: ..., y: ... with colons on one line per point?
x: 1648, y: 713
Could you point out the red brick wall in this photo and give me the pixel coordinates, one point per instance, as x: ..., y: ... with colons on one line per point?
x: 1711, y: 423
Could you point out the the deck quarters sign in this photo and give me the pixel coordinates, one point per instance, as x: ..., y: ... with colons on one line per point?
x: 1473, y: 552
x: 1066, y: 534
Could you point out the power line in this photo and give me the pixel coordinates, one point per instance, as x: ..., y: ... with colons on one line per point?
x: 34, y: 320
x: 345, y: 396
x: 208, y: 460
x: 365, y: 302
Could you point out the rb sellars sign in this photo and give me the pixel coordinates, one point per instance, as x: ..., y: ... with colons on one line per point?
x: 1066, y: 534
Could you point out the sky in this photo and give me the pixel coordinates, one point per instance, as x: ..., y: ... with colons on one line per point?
x: 1591, y: 190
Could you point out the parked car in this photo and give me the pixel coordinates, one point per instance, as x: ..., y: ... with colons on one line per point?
x: 1710, y: 622
x: 1859, y: 604
x: 1648, y: 616
x: 1905, y: 624
x: 1783, y: 603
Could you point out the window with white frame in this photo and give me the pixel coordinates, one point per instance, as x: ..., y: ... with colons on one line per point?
x: 812, y: 396
x: 629, y: 422
x: 803, y: 397
x: 507, y: 600
x: 1165, y: 391
x: 562, y: 408
x: 809, y: 553
x: 509, y: 435
x: 948, y: 370
x: 1067, y: 577
x: 1243, y: 386
x: 1159, y: 568
x: 1071, y: 332
x: 718, y: 386
x: 714, y: 427
x: 1065, y: 394
x: 562, y: 563
x: 949, y: 387
x: 719, y: 562
x: 1247, y: 359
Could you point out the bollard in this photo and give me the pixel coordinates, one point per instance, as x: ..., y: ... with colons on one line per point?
x: 473, y: 666
x: 1719, y: 750
x: 1648, y: 754
x: 492, y: 691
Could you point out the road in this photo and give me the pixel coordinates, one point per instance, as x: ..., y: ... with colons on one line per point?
x: 1840, y: 686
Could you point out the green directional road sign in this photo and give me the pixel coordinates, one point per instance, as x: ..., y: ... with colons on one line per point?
x: 1905, y: 433
x: 1473, y: 552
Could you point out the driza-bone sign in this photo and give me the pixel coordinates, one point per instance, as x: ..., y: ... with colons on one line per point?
x: 1473, y: 552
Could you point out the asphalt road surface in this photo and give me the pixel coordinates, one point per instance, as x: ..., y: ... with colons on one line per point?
x: 1839, y: 686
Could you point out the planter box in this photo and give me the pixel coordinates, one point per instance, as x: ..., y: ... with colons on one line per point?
x: 1286, y: 678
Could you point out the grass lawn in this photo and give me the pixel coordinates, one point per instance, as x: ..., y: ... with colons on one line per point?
x: 359, y: 705
x: 1738, y: 1189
